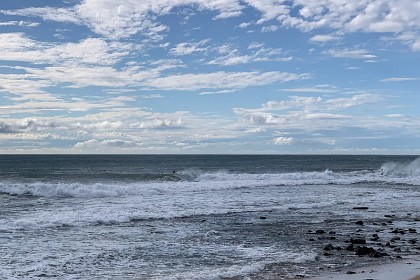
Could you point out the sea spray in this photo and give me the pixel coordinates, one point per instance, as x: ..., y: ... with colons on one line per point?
x: 400, y: 169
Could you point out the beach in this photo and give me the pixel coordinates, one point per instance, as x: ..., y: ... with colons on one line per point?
x: 408, y: 269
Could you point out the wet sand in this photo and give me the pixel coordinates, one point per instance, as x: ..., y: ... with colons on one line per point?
x: 409, y: 269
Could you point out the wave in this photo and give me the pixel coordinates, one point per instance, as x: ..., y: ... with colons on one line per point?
x: 398, y: 169
x: 197, y: 180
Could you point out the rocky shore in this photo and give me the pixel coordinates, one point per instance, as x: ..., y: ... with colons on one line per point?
x: 392, y: 238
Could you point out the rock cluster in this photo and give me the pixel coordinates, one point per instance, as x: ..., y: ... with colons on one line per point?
x: 383, y: 240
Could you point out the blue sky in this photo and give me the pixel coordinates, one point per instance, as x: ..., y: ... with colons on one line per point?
x: 198, y: 76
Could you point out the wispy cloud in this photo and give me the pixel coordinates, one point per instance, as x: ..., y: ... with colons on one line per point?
x: 350, y: 53
x: 400, y: 79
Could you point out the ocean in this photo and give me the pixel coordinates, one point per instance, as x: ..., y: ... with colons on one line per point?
x: 203, y: 216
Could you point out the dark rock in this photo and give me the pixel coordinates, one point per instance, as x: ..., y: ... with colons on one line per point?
x: 398, y: 230
x: 350, y: 272
x: 320, y: 231
x: 360, y: 208
x: 375, y: 237
x: 329, y: 247
x: 359, y: 223
x: 357, y: 241
x: 361, y: 251
x: 350, y: 247
x: 369, y: 251
x: 263, y: 218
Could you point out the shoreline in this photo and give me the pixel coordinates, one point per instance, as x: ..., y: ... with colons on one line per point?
x: 406, y: 269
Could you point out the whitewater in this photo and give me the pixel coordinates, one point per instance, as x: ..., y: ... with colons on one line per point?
x: 216, y: 217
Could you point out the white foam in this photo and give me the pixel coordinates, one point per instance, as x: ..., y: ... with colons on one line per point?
x: 397, y: 169
x: 196, y: 181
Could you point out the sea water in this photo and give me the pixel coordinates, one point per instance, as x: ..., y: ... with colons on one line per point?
x: 193, y: 216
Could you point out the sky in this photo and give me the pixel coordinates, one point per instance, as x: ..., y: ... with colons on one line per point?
x: 210, y: 77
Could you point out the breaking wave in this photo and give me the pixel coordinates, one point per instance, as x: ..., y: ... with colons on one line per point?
x: 398, y: 169
x: 197, y: 180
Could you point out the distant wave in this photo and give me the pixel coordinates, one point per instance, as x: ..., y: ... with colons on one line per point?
x: 197, y: 180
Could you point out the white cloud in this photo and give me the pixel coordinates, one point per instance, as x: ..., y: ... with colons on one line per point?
x: 284, y: 140
x: 26, y: 125
x: 255, y: 45
x: 315, y: 89
x: 271, y: 28
x: 324, y: 38
x: 222, y: 80
x: 115, y: 19
x: 270, y: 9
x: 257, y: 54
x: 189, y: 48
x: 47, y: 13
x: 349, y: 53
x: 17, y: 47
x: 94, y: 144
x: 20, y: 23
x: 307, y: 113
x: 161, y: 124
x: 355, y: 100
x: 218, y: 92
x: 400, y: 79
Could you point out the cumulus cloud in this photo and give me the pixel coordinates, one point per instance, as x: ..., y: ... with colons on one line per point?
x: 123, y: 19
x: 161, y: 124
x: 324, y: 38
x: 103, y: 144
x: 116, y: 20
x: 26, y: 125
x: 284, y: 140
x: 270, y: 28
x: 309, y: 113
x: 17, y: 47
